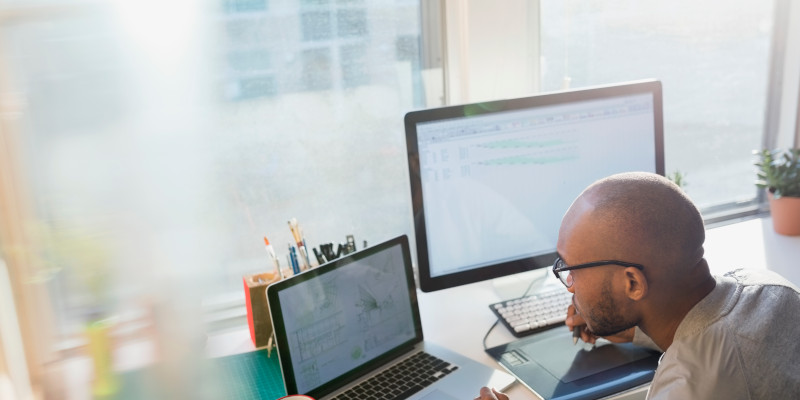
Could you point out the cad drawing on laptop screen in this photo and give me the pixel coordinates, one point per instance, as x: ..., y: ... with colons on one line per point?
x: 491, y: 181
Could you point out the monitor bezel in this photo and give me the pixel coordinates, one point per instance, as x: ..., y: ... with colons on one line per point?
x: 428, y: 283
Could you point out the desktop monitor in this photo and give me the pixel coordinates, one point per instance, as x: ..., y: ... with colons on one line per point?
x: 491, y: 181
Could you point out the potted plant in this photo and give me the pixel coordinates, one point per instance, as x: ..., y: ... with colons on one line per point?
x: 679, y: 178
x: 779, y: 173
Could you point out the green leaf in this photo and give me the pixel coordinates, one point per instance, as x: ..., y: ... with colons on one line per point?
x: 778, y: 170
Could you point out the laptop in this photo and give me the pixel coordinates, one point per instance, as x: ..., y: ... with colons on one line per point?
x: 345, y: 328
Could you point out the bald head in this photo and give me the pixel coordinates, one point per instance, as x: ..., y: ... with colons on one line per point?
x: 635, y: 217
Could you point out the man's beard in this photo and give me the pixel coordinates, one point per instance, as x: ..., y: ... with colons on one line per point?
x: 606, y: 318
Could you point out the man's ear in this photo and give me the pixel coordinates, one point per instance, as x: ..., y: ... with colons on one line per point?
x: 635, y: 284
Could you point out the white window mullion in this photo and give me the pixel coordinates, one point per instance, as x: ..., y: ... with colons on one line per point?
x: 487, y: 52
x: 456, y: 51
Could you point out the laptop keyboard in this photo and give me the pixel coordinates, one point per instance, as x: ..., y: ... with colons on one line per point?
x: 402, y: 380
x: 534, y: 313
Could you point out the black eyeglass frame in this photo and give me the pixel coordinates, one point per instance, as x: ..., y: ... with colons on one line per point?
x: 564, y: 267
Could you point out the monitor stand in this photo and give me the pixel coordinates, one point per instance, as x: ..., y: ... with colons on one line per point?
x: 513, y: 286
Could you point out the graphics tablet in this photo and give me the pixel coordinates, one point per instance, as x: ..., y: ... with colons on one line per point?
x: 551, y: 366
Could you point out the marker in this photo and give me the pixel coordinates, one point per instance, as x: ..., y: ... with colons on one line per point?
x: 271, y: 253
x: 327, y: 251
x: 320, y: 258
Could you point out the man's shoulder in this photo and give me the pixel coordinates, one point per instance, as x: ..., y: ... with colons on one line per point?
x: 763, y: 297
x: 759, y: 277
x: 766, y: 311
x: 746, y: 340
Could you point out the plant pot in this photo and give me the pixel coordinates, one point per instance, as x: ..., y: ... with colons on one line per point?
x: 785, y: 214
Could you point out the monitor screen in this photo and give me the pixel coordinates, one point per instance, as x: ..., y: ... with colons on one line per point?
x: 491, y: 181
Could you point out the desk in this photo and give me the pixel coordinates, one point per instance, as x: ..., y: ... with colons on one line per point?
x: 458, y: 318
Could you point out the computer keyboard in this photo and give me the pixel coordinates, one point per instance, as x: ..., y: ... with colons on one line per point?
x: 401, y: 380
x: 535, y: 312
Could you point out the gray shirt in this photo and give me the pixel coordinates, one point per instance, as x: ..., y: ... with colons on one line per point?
x: 742, y: 341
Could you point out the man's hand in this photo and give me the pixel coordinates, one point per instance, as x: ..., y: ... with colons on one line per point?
x: 491, y: 394
x: 575, y: 321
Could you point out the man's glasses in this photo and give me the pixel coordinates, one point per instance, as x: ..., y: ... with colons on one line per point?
x: 561, y: 269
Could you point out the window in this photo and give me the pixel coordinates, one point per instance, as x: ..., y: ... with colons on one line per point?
x: 252, y: 74
x: 162, y: 143
x: 234, y: 6
x: 317, y: 69
x: 351, y: 22
x: 407, y: 48
x: 354, y: 65
x: 714, y: 66
x: 316, y: 25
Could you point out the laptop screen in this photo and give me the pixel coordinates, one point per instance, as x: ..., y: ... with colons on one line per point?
x: 340, y: 320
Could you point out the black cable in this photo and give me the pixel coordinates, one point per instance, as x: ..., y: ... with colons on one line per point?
x: 498, y: 320
x: 487, y: 334
x: 531, y: 285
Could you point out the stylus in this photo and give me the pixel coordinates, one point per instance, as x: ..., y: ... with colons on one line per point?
x: 576, y: 334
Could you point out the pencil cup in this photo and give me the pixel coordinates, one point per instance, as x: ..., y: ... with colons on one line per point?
x: 255, y: 293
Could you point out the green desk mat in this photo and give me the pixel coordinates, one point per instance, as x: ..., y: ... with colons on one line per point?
x: 244, y: 376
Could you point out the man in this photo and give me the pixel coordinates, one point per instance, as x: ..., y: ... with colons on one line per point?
x: 730, y: 337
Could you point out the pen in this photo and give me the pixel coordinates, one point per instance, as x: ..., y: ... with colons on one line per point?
x: 271, y: 253
x: 304, y: 258
x: 293, y: 258
x: 305, y: 249
x: 576, y: 334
